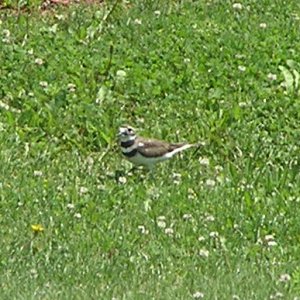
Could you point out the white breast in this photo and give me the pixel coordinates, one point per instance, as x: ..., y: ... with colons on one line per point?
x: 148, y: 162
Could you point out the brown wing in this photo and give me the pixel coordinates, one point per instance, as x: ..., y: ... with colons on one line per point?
x: 155, y: 148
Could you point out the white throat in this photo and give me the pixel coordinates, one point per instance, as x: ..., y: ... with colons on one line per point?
x: 127, y: 138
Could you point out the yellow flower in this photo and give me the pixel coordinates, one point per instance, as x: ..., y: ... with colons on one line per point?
x: 36, y: 228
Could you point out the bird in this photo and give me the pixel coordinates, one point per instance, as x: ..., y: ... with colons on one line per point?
x: 146, y: 152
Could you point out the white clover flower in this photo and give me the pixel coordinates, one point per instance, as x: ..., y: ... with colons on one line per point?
x: 210, y: 182
x: 284, y: 278
x: 70, y: 206
x: 161, y: 224
x: 16, y: 110
x: 176, y: 178
x: 142, y: 229
x: 263, y: 25
x: 2, y: 128
x: 191, y: 194
x: 214, y: 234
x: 121, y: 75
x: 161, y: 218
x: 204, y: 253
x: 277, y: 295
x: 201, y: 238
x: 198, y: 295
x: 138, y: 21
x: 6, y: 38
x: 90, y: 161
x: 6, y: 33
x: 140, y: 120
x: 242, y: 104
x: 169, y: 231
x: 272, y: 77
x: 77, y: 215
x: 218, y: 168
x: 60, y: 17
x: 236, y: 226
x: 38, y: 61
x: 239, y: 56
x: 204, y: 161
x: 37, y: 173
x: 83, y: 190
x: 242, y: 68
x: 187, y: 217
x: 271, y: 243
x: 237, y: 6
x: 71, y: 87
x: 122, y: 180
x: 269, y: 237
x: 43, y: 84
x: 209, y: 218
x: 4, y: 105
x: 157, y: 13
x: 34, y: 272
x: 268, y: 240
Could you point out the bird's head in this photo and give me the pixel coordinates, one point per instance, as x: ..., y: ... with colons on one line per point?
x: 126, y: 133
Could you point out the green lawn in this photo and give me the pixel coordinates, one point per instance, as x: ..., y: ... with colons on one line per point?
x: 221, y: 223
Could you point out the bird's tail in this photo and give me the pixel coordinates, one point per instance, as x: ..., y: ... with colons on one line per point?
x: 181, y: 147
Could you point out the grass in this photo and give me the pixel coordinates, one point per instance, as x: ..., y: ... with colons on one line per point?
x: 222, y: 223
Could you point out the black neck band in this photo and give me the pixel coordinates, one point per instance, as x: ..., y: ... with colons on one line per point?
x: 127, y: 144
x: 131, y: 153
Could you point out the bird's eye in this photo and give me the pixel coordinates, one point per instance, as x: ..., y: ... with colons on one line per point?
x: 129, y: 129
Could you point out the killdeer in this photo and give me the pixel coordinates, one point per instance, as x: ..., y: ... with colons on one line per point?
x: 144, y: 151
